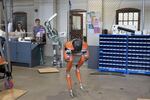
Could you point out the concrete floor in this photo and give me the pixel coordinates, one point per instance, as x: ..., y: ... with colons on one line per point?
x: 99, y: 87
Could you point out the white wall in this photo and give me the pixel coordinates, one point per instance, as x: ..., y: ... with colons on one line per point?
x: 62, y: 18
x: 147, y: 15
x: 28, y: 7
x: 62, y: 9
x: 46, y: 8
x: 0, y: 12
x: 96, y: 6
x: 79, y: 4
x: 89, y: 5
x: 63, y: 12
x: 110, y: 7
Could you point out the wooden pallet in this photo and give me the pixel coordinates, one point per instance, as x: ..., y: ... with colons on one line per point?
x: 48, y: 70
x: 142, y: 99
x: 11, y: 94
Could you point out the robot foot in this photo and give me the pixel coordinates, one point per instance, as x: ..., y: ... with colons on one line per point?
x: 71, y: 93
x: 83, y: 89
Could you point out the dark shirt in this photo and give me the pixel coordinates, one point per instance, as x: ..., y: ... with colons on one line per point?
x: 37, y: 29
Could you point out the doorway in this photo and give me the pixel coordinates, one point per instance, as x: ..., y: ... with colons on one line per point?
x: 20, y: 17
x: 78, y: 24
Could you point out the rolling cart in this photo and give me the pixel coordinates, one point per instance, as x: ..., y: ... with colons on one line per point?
x: 5, y: 71
x: 5, y: 64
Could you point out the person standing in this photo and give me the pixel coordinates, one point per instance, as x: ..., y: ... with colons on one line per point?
x: 39, y: 31
x: 20, y: 31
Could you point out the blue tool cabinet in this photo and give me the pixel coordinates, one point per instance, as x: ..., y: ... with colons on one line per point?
x: 125, y: 53
x: 25, y: 53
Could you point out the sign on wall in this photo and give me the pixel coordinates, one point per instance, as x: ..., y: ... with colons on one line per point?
x: 93, y: 23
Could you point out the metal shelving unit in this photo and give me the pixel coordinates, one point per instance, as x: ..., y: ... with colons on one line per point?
x: 113, y: 53
x: 125, y: 54
x: 139, y: 54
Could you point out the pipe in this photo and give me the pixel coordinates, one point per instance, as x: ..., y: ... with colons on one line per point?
x: 143, y: 15
x: 102, y: 14
x: 6, y: 30
x: 68, y: 19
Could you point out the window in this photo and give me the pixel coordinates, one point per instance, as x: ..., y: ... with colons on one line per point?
x: 128, y: 16
x: 76, y: 25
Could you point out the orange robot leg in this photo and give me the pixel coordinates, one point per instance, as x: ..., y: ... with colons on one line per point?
x: 80, y: 63
x: 68, y: 76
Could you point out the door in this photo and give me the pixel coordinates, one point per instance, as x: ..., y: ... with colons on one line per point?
x: 20, y: 17
x: 76, y: 26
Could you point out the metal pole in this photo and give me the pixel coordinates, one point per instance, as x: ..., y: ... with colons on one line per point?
x: 7, y: 36
x: 143, y: 15
x: 68, y: 25
x: 9, y: 9
x: 102, y: 14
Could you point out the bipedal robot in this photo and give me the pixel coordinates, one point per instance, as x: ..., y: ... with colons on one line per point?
x: 73, y: 48
x: 56, y: 43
